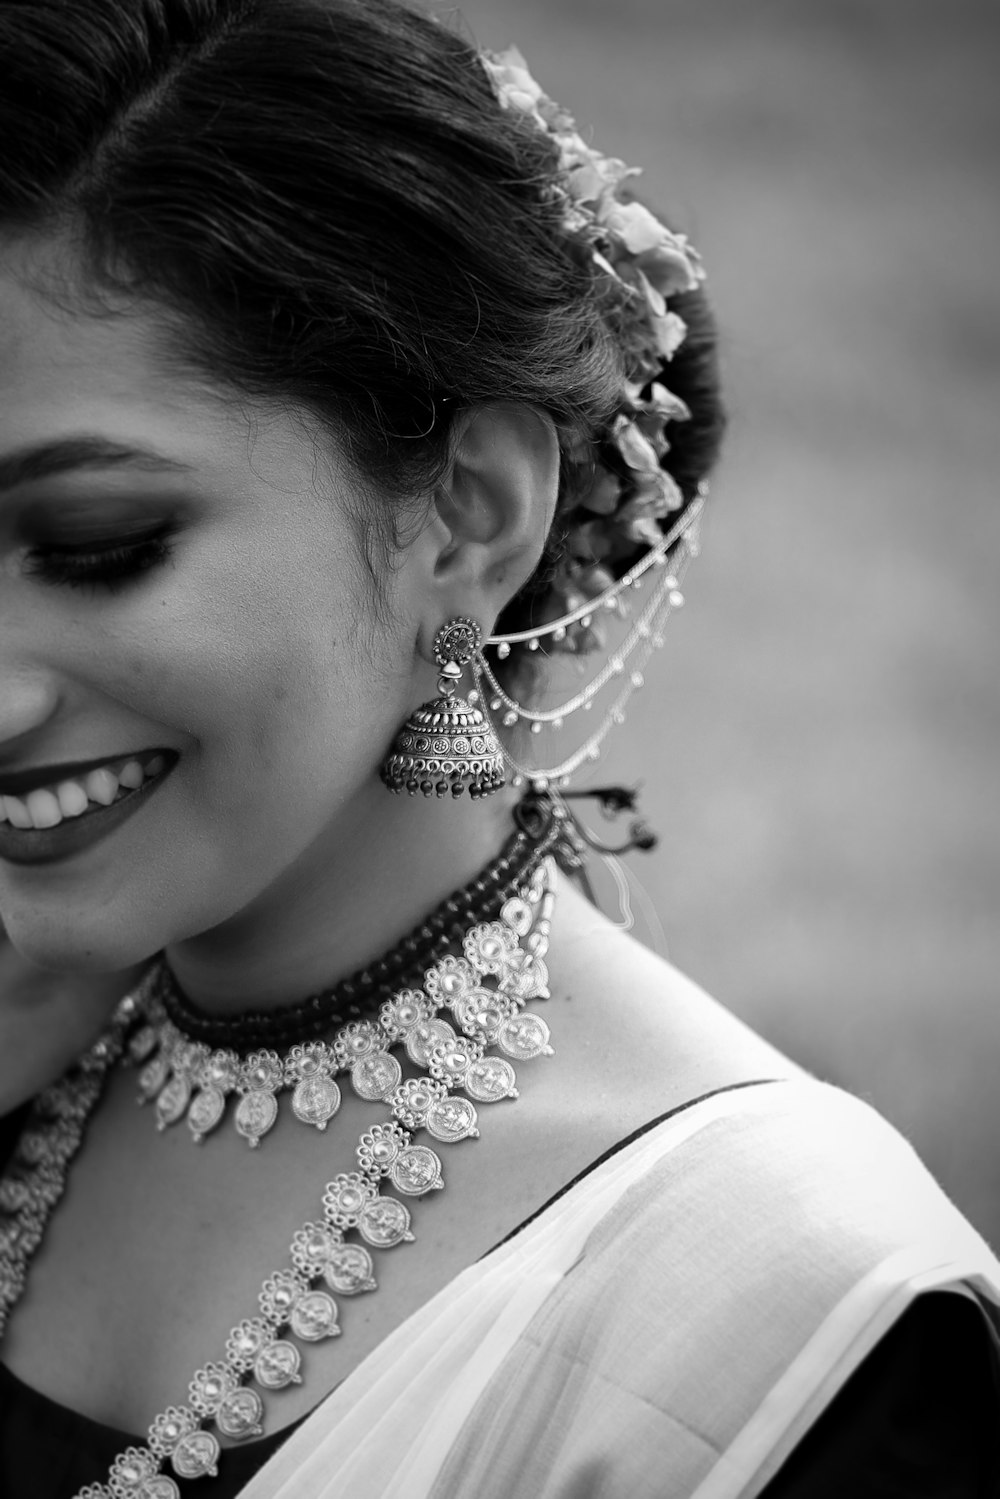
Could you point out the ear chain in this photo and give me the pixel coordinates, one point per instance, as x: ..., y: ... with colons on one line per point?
x: 644, y: 636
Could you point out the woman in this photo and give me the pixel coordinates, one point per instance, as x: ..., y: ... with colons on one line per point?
x: 330, y: 350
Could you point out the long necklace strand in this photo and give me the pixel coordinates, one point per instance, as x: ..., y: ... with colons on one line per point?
x: 500, y: 968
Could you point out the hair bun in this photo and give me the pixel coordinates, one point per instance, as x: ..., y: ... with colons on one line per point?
x: 617, y: 490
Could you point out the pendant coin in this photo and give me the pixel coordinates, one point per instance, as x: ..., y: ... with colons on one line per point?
x: 376, y: 1076
x: 239, y: 1415
x: 452, y: 1119
x: 524, y: 1037
x: 385, y: 1222
x: 206, y: 1110
x: 314, y: 1316
x: 525, y: 977
x: 315, y: 1100
x: 160, y: 1487
x: 277, y: 1365
x: 172, y: 1103
x: 196, y: 1455
x: 350, y: 1270
x: 421, y: 1040
x: 416, y: 1170
x: 490, y: 1079
x: 142, y: 1043
x: 188, y: 1057
x: 255, y: 1114
x: 152, y: 1077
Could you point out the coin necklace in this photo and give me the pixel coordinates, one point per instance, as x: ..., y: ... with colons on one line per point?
x: 186, y: 1079
x: 485, y: 988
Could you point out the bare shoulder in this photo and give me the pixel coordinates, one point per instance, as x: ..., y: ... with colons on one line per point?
x: 636, y: 1023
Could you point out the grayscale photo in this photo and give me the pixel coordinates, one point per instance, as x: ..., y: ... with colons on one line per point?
x: 499, y: 731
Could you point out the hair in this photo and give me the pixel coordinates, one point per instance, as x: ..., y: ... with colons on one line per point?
x: 330, y: 207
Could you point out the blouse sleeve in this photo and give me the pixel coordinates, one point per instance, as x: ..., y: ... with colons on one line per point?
x: 919, y: 1419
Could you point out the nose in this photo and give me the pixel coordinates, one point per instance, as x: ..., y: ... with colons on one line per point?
x: 28, y: 698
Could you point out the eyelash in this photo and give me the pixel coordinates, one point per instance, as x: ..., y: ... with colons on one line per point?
x: 110, y: 568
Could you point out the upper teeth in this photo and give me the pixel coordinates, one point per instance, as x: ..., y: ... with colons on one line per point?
x: 47, y: 806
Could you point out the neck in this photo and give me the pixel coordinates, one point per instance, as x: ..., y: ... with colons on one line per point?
x: 364, y: 883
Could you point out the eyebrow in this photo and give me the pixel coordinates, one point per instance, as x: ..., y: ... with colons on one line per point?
x: 43, y: 460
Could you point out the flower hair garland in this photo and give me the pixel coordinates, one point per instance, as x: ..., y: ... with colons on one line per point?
x: 638, y: 265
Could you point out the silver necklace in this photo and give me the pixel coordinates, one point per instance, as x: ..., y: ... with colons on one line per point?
x: 189, y: 1080
x: 485, y: 988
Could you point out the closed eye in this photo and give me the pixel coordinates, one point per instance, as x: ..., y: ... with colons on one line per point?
x: 110, y: 567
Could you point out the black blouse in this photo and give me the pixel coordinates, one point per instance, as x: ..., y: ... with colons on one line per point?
x: 919, y: 1419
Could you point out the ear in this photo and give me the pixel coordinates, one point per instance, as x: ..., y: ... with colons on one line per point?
x: 493, y: 509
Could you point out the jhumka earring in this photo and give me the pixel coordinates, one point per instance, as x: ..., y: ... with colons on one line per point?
x: 447, y: 743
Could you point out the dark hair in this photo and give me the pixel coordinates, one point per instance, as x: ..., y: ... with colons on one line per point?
x: 328, y: 202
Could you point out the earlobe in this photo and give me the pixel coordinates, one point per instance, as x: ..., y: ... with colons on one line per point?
x: 498, y: 498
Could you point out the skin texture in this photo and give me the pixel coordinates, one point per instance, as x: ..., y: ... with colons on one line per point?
x: 271, y: 861
x: 258, y: 652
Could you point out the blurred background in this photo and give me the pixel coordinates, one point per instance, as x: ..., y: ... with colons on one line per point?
x: 819, y: 741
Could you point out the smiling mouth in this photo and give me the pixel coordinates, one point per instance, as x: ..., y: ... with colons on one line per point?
x: 69, y: 834
x: 76, y: 796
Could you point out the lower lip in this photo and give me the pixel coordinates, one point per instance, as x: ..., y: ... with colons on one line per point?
x: 49, y: 845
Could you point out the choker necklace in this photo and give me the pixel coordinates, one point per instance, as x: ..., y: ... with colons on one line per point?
x: 542, y: 826
x: 186, y: 1078
x: 485, y: 984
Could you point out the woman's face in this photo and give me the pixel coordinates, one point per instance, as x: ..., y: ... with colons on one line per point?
x: 246, y: 651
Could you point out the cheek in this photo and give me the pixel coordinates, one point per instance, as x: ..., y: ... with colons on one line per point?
x: 269, y: 678
x: 275, y: 677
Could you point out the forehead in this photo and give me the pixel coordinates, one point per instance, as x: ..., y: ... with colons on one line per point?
x: 63, y: 369
x: 67, y: 370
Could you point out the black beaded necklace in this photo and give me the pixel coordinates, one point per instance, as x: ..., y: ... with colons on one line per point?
x: 541, y: 829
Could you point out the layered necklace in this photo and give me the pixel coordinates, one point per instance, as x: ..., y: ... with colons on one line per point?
x: 459, y: 1027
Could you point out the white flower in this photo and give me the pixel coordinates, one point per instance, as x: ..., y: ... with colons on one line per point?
x: 670, y: 332
x: 638, y: 264
x: 513, y: 84
x: 635, y: 226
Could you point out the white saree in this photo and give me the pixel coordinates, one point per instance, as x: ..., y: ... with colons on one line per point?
x: 670, y: 1326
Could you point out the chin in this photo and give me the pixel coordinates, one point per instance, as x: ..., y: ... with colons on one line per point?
x: 59, y: 944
